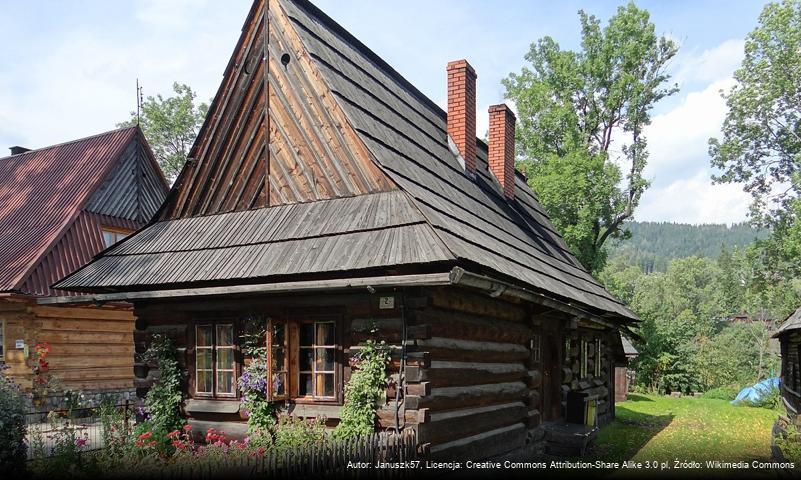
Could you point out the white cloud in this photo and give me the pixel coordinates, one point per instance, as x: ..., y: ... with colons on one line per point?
x: 695, y: 200
x: 678, y: 139
x: 710, y: 65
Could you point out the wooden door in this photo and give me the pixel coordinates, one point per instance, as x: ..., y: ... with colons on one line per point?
x: 551, y: 375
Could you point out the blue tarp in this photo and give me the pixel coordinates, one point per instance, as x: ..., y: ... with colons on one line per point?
x: 756, y: 392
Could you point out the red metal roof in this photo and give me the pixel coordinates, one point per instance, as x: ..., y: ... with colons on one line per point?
x: 42, y: 192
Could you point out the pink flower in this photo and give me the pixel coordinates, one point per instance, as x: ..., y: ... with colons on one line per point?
x: 81, y: 442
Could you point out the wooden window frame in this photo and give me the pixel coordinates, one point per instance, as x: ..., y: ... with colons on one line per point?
x: 583, y: 358
x: 116, y: 231
x: 214, y: 347
x: 2, y: 340
x: 536, y: 348
x: 292, y: 359
x: 598, y: 356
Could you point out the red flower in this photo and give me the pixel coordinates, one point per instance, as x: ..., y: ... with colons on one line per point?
x: 187, y: 427
x: 174, y: 434
x: 145, y: 435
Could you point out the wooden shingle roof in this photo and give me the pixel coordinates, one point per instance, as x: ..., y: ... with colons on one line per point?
x: 456, y: 218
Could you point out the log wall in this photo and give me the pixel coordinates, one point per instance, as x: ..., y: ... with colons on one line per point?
x: 471, y: 377
x: 791, y: 375
x: 91, y: 348
x: 478, y: 392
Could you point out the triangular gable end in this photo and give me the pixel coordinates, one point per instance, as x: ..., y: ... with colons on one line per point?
x: 134, y: 189
x: 314, y: 152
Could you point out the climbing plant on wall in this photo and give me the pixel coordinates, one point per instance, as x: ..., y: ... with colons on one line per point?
x: 365, y: 390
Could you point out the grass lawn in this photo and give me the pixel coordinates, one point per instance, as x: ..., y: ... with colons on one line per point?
x: 657, y: 428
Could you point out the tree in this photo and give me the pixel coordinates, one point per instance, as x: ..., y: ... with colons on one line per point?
x: 761, y: 142
x: 171, y: 125
x: 572, y: 106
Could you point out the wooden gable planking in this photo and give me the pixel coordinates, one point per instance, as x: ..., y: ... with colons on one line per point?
x: 314, y: 152
x: 134, y: 189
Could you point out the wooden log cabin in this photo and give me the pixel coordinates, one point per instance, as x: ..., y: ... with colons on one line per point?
x: 59, y: 206
x: 324, y: 196
x: 789, y: 335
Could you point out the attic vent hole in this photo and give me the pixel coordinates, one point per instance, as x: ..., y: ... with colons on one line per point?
x: 285, y: 59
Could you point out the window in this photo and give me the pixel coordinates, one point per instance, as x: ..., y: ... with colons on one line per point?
x: 215, y: 367
x: 536, y: 348
x: 567, y: 350
x: 317, y: 351
x: 598, y: 357
x: 584, y: 358
x: 2, y: 340
x: 303, y: 363
x: 113, y: 235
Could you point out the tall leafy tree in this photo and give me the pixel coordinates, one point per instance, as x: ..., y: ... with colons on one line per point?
x: 761, y: 142
x: 171, y: 125
x: 573, y: 106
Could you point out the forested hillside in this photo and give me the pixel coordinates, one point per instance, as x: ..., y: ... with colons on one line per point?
x: 654, y: 244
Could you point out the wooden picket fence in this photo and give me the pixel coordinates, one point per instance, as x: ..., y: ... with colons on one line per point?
x: 383, y: 455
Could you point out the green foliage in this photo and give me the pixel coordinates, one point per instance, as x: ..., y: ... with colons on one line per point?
x: 253, y: 382
x: 12, y: 427
x: 761, y: 143
x: 653, y: 245
x: 292, y: 433
x: 65, y: 456
x: 170, y: 126
x: 688, y: 343
x: 572, y: 105
x: 790, y: 444
x: 364, y: 391
x: 726, y: 392
x: 164, y: 397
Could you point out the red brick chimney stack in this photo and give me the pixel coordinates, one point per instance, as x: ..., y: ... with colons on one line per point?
x: 501, y: 158
x: 462, y: 110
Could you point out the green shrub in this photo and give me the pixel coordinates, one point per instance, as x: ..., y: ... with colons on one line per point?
x: 364, y: 391
x: 722, y: 393
x: 293, y: 432
x: 790, y: 444
x: 12, y: 427
x: 164, y: 397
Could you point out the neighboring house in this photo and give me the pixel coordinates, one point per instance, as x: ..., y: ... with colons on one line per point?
x: 763, y: 316
x: 624, y: 375
x: 370, y: 208
x: 60, y: 206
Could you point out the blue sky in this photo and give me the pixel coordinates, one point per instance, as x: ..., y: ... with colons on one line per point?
x: 71, y: 69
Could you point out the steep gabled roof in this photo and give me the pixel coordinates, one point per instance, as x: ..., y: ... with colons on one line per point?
x: 791, y: 324
x: 370, y: 112
x: 42, y: 193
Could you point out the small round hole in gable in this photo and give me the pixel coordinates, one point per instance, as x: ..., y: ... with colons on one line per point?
x: 285, y: 59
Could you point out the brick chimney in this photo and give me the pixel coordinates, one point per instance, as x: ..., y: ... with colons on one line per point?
x: 462, y: 110
x: 501, y: 157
